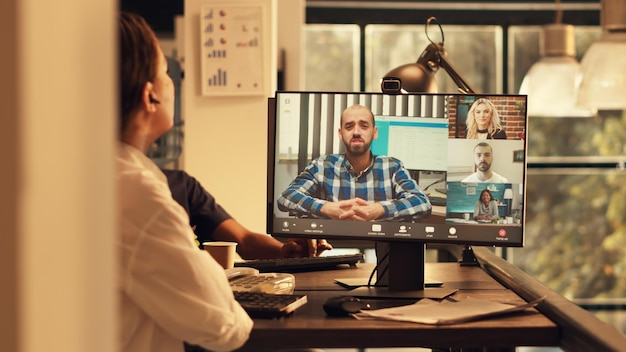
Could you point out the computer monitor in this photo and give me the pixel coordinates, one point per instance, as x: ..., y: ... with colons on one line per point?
x: 430, y: 136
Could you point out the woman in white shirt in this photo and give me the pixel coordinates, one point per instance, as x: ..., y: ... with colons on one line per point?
x: 170, y: 291
x: 486, y: 208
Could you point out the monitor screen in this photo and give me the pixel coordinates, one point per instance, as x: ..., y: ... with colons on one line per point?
x: 400, y: 169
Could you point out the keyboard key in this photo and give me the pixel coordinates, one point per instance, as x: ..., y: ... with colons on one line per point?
x: 302, y: 264
x: 264, y: 305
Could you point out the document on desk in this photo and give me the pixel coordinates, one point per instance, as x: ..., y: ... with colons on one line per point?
x: 428, y: 311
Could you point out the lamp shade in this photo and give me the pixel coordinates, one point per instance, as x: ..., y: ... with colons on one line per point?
x: 419, y: 77
x: 552, y: 82
x: 415, y: 78
x: 603, y: 84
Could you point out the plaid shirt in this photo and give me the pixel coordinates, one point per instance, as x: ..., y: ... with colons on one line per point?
x: 332, y: 178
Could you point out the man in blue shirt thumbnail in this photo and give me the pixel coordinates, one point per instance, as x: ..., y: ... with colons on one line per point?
x: 355, y: 185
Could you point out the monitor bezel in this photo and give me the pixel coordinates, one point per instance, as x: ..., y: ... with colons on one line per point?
x: 464, y: 234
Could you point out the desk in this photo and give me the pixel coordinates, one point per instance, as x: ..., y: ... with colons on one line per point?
x: 310, y: 327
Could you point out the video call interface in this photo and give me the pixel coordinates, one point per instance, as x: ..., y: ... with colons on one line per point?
x: 437, y: 139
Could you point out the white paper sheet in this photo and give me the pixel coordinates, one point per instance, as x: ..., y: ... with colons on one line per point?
x: 428, y: 311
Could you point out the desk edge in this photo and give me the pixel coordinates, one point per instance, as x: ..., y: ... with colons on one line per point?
x: 580, y: 330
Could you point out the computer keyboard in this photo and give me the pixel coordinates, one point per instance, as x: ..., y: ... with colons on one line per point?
x: 301, y: 264
x: 265, y: 305
x: 437, y: 201
x: 442, y: 190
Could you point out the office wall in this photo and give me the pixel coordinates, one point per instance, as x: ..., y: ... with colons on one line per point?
x: 57, y: 110
x: 291, y: 19
x: 225, y: 141
x: 8, y: 178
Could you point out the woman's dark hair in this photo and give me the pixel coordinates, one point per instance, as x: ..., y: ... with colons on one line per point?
x: 137, y: 62
x: 485, y: 191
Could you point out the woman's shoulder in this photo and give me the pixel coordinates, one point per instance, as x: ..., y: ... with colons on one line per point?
x: 499, y: 134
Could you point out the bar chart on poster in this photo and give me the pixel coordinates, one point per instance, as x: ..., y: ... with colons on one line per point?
x: 231, y: 49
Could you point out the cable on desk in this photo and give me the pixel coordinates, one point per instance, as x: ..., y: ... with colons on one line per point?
x: 384, y: 271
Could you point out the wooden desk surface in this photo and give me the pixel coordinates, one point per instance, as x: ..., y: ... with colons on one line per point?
x: 309, y: 326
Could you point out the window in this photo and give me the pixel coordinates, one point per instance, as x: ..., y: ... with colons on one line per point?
x: 332, y: 57
x: 474, y: 51
x: 576, y: 220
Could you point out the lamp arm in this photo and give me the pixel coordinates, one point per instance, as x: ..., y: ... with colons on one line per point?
x: 463, y: 86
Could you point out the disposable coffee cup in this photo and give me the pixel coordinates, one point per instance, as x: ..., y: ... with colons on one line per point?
x: 466, y: 216
x: 222, y: 252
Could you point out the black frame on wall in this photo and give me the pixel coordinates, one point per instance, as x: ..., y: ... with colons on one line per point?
x: 160, y: 13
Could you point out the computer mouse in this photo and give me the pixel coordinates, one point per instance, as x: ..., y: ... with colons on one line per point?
x: 342, y: 306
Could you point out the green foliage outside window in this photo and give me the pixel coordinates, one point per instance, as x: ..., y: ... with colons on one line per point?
x: 576, y: 219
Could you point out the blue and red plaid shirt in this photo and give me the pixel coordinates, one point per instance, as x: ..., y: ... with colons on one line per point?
x: 332, y: 178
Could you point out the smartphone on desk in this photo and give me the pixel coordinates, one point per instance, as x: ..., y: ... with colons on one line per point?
x: 244, y: 279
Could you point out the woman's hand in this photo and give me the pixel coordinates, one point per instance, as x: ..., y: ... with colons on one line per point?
x: 304, y: 247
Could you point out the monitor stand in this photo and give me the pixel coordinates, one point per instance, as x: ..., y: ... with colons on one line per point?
x: 404, y: 274
x: 468, y: 258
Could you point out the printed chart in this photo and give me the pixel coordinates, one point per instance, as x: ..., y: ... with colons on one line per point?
x: 231, y: 49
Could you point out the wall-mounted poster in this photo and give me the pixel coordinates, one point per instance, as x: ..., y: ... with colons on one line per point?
x: 231, y: 49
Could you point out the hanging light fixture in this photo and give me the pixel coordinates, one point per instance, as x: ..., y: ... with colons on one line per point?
x: 603, y: 84
x: 552, y: 82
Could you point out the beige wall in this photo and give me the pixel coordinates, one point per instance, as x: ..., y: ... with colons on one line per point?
x: 291, y: 19
x: 57, y: 101
x: 226, y: 137
x: 225, y: 143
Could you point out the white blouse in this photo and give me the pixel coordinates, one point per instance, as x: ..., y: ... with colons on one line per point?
x: 170, y: 291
